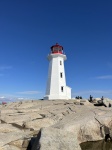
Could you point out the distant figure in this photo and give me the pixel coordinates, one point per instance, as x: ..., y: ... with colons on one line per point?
x: 91, y: 98
x: 80, y: 97
x: 102, y: 98
x: 77, y: 97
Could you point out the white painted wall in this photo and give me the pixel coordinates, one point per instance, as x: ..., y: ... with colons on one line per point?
x: 68, y: 92
x: 55, y: 82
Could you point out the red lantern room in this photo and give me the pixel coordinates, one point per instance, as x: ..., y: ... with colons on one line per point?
x: 57, y: 49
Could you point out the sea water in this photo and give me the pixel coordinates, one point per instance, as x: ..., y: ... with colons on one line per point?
x: 99, y: 145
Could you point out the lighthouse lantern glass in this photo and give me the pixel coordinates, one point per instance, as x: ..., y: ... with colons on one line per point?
x: 57, y: 49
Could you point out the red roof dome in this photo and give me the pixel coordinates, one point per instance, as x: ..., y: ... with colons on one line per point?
x: 57, y: 45
x: 57, y: 49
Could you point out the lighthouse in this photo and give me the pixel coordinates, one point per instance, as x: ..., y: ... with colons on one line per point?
x: 56, y: 83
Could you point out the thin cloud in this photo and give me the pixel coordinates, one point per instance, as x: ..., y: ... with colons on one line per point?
x: 2, y: 97
x: 12, y: 98
x: 104, y: 77
x: 21, y: 98
x: 29, y: 92
x: 5, y: 99
x: 5, y: 68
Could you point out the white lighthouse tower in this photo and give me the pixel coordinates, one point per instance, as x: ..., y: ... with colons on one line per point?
x: 56, y: 83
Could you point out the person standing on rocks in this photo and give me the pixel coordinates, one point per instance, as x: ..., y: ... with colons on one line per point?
x: 91, y: 98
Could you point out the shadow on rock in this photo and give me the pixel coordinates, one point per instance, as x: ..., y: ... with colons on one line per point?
x: 34, y: 142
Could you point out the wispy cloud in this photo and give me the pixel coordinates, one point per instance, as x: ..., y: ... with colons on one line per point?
x: 18, y: 96
x: 6, y: 99
x: 104, y: 77
x: 12, y: 98
x: 29, y: 92
x: 5, y: 67
x: 21, y: 98
x: 2, y: 97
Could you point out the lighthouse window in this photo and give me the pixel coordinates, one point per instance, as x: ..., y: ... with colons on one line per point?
x: 60, y: 62
x: 62, y: 88
x: 55, y: 48
x: 61, y: 74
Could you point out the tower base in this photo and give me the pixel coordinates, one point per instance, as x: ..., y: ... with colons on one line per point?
x: 54, y: 97
x: 59, y: 97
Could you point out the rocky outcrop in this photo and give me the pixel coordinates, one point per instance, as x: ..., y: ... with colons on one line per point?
x: 58, y: 139
x: 102, y: 102
x: 63, y: 124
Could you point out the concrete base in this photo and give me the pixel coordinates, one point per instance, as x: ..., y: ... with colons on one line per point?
x: 55, y: 97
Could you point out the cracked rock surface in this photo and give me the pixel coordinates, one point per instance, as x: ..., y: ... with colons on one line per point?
x: 64, y: 124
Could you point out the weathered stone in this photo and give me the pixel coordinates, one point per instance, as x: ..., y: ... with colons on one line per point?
x: 57, y: 139
x: 14, y: 147
x: 37, y: 124
x: 20, y: 118
x: 85, y: 102
x: 12, y: 136
x: 20, y: 121
x: 25, y: 143
x: 8, y: 111
x: 6, y: 147
x: 6, y: 128
x: 107, y: 101
x: 17, y: 143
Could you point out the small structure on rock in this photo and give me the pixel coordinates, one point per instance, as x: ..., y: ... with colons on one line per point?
x: 3, y: 103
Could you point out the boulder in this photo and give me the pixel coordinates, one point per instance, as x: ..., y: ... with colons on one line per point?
x: 86, y: 123
x: 57, y: 139
x: 107, y: 102
x: 6, y: 138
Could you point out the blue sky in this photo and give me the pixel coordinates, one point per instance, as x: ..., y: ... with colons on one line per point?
x: 29, y: 28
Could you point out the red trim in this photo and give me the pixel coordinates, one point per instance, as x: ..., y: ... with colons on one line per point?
x: 4, y: 103
x: 57, y: 45
x: 57, y: 53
